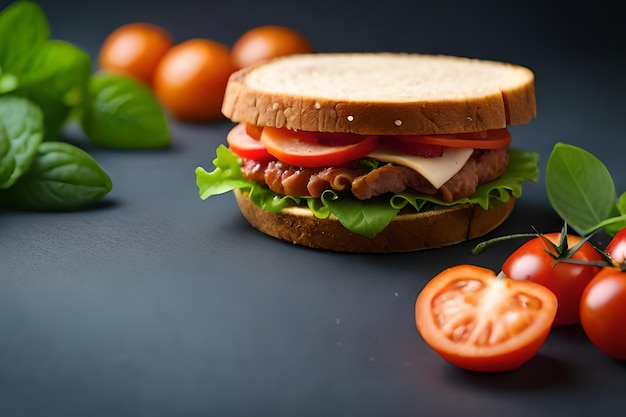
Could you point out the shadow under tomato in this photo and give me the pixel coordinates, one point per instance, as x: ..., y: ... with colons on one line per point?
x: 619, y: 362
x: 541, y: 371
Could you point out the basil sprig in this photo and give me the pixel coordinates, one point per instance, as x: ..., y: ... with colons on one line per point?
x: 45, y: 83
x: 582, y: 192
x: 122, y: 113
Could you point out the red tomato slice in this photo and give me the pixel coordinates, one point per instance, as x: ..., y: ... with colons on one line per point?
x: 483, y: 322
x: 243, y: 144
x: 412, y: 148
x: 303, y: 149
x: 254, y: 131
x: 488, y: 139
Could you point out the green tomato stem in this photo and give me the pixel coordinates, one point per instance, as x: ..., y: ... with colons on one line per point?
x: 607, y: 222
x: 483, y: 245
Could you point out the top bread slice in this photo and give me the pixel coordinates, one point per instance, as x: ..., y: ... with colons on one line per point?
x: 381, y: 94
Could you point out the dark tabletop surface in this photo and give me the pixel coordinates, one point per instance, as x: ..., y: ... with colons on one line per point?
x: 156, y: 303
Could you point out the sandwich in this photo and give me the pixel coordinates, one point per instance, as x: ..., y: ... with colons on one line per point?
x: 374, y: 152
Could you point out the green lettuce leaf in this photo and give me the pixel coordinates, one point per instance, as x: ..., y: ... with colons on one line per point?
x: 370, y: 217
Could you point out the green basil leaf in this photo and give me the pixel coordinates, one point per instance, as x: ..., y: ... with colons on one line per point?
x: 56, y: 80
x: 61, y: 177
x: 23, y: 27
x: 22, y: 123
x: 58, y: 62
x: 618, y: 210
x: 579, y: 187
x: 8, y: 82
x: 121, y: 112
x: 7, y: 163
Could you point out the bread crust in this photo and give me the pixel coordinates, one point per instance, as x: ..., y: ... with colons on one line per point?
x: 406, y: 233
x: 491, y: 95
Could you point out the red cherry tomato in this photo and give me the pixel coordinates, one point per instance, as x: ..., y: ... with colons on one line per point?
x: 603, y: 312
x: 135, y: 49
x: 245, y: 145
x: 191, y: 78
x: 483, y: 322
x: 531, y: 262
x: 267, y: 42
x: 617, y: 247
x: 307, y: 149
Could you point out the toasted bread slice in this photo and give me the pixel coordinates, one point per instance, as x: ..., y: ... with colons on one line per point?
x: 381, y: 93
x: 407, y: 232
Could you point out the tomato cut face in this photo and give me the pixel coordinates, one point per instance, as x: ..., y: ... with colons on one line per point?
x: 244, y: 145
x: 488, y: 139
x: 483, y: 322
x: 305, y: 149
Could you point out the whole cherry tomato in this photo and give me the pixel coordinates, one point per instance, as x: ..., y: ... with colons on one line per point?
x: 266, y: 42
x: 617, y: 247
x: 603, y: 312
x: 535, y: 261
x: 135, y: 49
x: 483, y: 322
x: 191, y: 78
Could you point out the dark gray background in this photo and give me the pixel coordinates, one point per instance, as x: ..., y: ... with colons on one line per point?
x: 156, y: 303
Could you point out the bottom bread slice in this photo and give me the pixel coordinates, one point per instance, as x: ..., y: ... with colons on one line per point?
x: 406, y: 232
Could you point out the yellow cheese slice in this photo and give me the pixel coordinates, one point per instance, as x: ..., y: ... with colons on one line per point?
x: 436, y: 170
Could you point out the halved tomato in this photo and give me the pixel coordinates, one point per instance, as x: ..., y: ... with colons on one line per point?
x: 307, y: 149
x: 487, y: 139
x: 242, y: 142
x: 483, y: 322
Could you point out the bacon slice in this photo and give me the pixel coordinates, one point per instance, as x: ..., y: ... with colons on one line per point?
x: 288, y: 180
x: 336, y: 178
x: 254, y: 170
x: 483, y: 166
x: 390, y: 178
